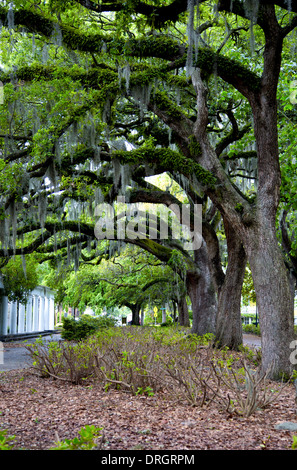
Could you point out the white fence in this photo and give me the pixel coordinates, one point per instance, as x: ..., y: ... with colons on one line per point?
x: 37, y: 315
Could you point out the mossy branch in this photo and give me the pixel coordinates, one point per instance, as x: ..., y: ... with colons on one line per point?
x: 93, y: 78
x: 167, y: 160
x: 157, y: 16
x: 161, y: 46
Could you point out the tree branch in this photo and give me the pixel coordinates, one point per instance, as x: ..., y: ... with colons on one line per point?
x: 158, y: 16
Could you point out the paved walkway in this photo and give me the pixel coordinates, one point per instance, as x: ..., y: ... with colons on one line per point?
x: 18, y: 358
x: 252, y: 340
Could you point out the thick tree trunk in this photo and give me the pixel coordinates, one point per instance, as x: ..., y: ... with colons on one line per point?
x: 255, y: 222
x: 275, y: 301
x: 229, y: 324
x: 135, y: 314
x: 270, y: 276
x: 142, y: 317
x: 174, y: 305
x: 203, y: 296
x: 183, y: 312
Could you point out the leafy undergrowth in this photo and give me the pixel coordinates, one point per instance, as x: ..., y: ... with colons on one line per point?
x: 149, y: 360
x: 146, y: 388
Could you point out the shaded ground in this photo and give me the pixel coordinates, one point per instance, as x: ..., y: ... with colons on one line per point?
x: 39, y: 411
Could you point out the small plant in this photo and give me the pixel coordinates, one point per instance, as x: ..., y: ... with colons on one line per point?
x: 4, y: 440
x: 145, y: 391
x: 251, y: 355
x: 248, y: 388
x: 90, y: 438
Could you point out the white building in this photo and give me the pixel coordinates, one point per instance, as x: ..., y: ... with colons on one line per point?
x: 37, y: 315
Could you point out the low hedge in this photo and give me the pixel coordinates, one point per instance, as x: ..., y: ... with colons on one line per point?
x: 251, y: 328
x: 86, y: 325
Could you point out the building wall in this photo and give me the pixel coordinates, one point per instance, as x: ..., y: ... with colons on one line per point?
x: 37, y: 315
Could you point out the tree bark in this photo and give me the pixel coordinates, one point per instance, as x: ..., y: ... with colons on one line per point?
x: 270, y: 276
x: 229, y: 323
x: 183, y: 312
x: 255, y: 223
x: 203, y: 295
x: 174, y: 305
x: 275, y: 301
x: 135, y: 309
x: 142, y: 317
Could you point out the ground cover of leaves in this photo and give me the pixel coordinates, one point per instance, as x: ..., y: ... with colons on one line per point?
x: 37, y: 410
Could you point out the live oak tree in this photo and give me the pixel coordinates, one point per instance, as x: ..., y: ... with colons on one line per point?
x: 150, y: 74
x: 133, y: 278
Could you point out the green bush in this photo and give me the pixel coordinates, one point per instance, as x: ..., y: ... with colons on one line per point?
x: 251, y: 329
x: 145, y: 361
x: 89, y: 439
x: 76, y: 330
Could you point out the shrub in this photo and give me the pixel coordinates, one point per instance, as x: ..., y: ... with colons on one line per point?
x: 70, y: 361
x: 76, y: 330
x: 90, y: 438
x: 253, y: 329
x: 188, y: 368
x: 167, y: 323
